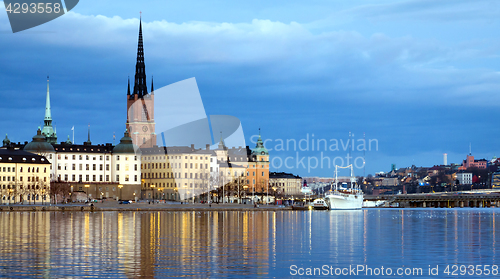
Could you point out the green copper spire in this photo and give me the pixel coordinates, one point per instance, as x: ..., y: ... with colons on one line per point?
x: 47, y: 104
x: 47, y: 130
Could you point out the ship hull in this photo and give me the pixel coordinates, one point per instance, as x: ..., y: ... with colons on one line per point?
x: 344, y: 201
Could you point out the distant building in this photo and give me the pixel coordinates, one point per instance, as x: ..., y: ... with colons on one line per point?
x: 469, y: 162
x: 285, y: 183
x: 258, y: 168
x: 24, y: 177
x: 495, y: 182
x: 464, y: 178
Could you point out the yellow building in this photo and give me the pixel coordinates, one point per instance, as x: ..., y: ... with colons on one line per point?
x: 257, y: 174
x: 24, y: 177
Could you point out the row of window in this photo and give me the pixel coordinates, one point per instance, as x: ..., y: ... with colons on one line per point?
x: 94, y: 178
x: 28, y: 197
x: 149, y: 158
x: 28, y: 187
x: 87, y: 157
x: 13, y: 179
x: 29, y: 169
x: 173, y: 165
x: 173, y: 185
x: 94, y: 167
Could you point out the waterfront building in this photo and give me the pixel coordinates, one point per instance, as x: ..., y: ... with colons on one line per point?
x: 464, y: 178
x: 24, y: 177
x: 101, y: 171
x: 285, y: 183
x: 470, y: 162
x: 257, y: 173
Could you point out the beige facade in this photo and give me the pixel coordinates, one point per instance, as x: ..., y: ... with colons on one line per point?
x: 285, y: 183
x: 24, y: 177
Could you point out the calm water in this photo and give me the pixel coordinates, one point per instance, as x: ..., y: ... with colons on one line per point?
x: 242, y: 244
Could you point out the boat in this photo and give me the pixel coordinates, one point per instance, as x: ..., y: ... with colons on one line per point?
x: 300, y: 206
x: 319, y: 204
x: 305, y: 189
x: 344, y: 197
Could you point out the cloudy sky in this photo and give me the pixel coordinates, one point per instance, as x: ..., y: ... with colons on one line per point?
x: 420, y: 78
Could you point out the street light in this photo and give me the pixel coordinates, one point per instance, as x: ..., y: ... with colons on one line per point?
x: 153, y: 189
x: 10, y: 194
x: 120, y: 186
x: 87, y: 186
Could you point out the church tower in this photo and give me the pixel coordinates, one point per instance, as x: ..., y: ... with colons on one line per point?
x: 140, y: 104
x: 48, y: 130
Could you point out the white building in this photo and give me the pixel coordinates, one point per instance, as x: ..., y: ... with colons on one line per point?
x: 464, y: 178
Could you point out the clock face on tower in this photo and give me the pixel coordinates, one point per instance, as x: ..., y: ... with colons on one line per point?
x: 144, y: 128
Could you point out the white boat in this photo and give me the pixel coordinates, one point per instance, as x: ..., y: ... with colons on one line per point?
x: 344, y: 197
x: 319, y: 204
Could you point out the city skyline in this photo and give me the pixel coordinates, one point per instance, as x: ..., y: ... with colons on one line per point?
x: 418, y: 86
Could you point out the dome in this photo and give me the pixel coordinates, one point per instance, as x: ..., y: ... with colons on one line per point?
x: 260, y: 149
x: 126, y: 145
x: 39, y: 144
x: 6, y: 141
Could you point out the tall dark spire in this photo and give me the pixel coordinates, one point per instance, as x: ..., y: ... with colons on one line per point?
x: 152, y: 86
x: 140, y: 87
x: 128, y: 90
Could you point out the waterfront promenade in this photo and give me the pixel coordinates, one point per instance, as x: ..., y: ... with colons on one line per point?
x: 142, y: 206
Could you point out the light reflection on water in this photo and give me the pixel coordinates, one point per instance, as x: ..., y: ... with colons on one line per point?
x: 238, y: 244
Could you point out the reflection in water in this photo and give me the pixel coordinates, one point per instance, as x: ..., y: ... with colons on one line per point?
x: 238, y: 244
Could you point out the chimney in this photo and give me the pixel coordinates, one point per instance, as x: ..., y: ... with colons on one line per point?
x: 445, y: 159
x: 208, y: 146
x: 192, y: 146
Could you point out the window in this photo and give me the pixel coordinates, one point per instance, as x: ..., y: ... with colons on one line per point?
x: 74, y: 157
x: 100, y: 167
x: 73, y: 177
x: 117, y: 178
x: 107, y: 178
x: 118, y: 157
x: 81, y: 167
x: 74, y: 167
x: 87, y: 177
x: 87, y: 167
x: 126, y: 178
x: 94, y: 167
x: 65, y: 177
x: 100, y: 177
x: 107, y: 167
x: 135, y: 167
x: 135, y: 177
x: 262, y: 173
x: 80, y: 178
x: 86, y: 157
x: 117, y: 167
x: 185, y: 175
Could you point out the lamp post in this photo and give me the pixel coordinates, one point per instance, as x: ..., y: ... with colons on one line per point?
x: 87, y: 186
x: 120, y: 186
x: 153, y: 189
x: 10, y: 195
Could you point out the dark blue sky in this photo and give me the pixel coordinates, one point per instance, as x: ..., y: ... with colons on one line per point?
x: 420, y: 77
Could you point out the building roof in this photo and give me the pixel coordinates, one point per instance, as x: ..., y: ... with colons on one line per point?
x: 126, y: 146
x: 282, y: 175
x: 8, y: 155
x: 260, y: 149
x: 39, y: 144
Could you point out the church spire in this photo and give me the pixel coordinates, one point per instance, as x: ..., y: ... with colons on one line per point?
x: 48, y: 116
x: 152, y: 86
x: 140, y: 87
x: 47, y: 130
x: 128, y: 90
